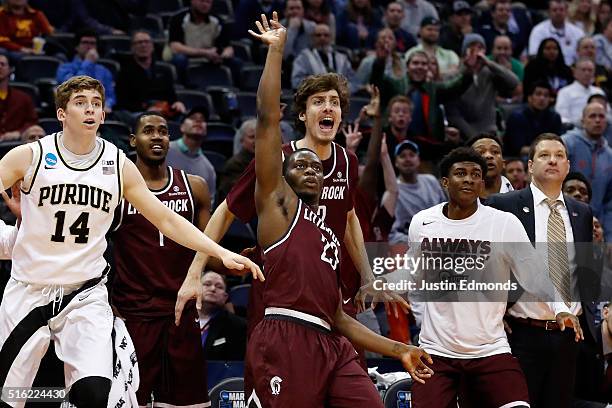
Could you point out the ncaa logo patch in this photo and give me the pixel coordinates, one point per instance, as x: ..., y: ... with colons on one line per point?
x: 404, y: 399
x: 275, y: 385
x: 51, y: 159
x: 231, y: 399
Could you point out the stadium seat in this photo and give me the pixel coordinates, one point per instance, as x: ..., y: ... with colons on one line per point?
x: 50, y: 125
x: 113, y: 66
x: 222, y: 146
x: 119, y: 129
x: 151, y: 23
x: 249, y: 78
x: 163, y: 6
x: 46, y: 92
x: 29, y: 89
x: 239, y: 295
x: 166, y: 68
x: 191, y: 99
x: 247, y: 103
x: 33, y: 67
x: 356, y: 104
x: 398, y: 395
x: 63, y: 41
x: 222, y: 8
x: 228, y: 393
x: 204, y: 75
x: 109, y: 44
x: 242, y: 51
x: 216, y: 159
x: 174, y: 128
x: 220, y: 131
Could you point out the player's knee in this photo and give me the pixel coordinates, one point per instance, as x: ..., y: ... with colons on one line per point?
x: 90, y: 392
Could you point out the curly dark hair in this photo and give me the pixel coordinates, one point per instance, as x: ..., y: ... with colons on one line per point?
x: 315, y: 84
x: 462, y: 154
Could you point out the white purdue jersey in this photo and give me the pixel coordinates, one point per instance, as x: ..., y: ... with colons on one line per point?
x: 66, y: 213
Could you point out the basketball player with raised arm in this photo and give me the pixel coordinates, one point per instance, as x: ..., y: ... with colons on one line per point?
x: 73, y: 181
x: 296, y: 358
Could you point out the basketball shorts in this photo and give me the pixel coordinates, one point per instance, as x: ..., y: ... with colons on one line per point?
x: 297, y: 361
x: 490, y: 382
x: 78, y: 319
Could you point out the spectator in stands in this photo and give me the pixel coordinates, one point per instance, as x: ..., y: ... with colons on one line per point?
x: 590, y: 154
x: 603, y: 100
x: 502, y: 54
x: 515, y: 172
x: 17, y: 111
x: 427, y: 126
x: 459, y: 24
x: 320, y: 59
x: 19, y: 25
x: 394, y: 14
x: 186, y: 153
x: 549, y: 65
x: 32, y: 134
x: 416, y: 191
x: 526, y: 123
x: 320, y: 11
x: 577, y: 186
x: 85, y: 62
x: 414, y: 13
x: 603, y: 43
x: 399, y: 117
x: 566, y: 33
x: 357, y: 25
x: 582, y: 15
x: 73, y: 15
x: 572, y: 98
x: 247, y: 11
x: 384, y: 49
x: 604, y: 12
x: 502, y: 18
x: 474, y: 112
x: 237, y: 163
x: 142, y: 87
x: 603, y: 77
x: 195, y: 33
x: 490, y: 148
x: 429, y: 34
x: 223, y: 333
x: 299, y: 30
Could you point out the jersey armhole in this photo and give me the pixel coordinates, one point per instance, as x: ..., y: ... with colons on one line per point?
x: 120, y: 164
x: 36, y: 158
x: 190, y: 194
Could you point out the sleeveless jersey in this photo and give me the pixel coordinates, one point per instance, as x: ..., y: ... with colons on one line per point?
x: 66, y: 213
x: 150, y: 267
x: 301, y: 268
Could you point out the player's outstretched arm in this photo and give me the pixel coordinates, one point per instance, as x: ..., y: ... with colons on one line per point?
x: 173, y: 225
x: 268, y: 162
x: 359, y: 335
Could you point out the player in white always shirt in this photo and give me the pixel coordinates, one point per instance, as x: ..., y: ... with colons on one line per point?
x: 466, y: 339
x: 73, y: 181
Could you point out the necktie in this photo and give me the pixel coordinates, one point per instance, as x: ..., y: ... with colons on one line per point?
x: 558, y: 264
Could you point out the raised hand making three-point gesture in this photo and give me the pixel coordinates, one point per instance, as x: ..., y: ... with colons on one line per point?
x: 272, y: 33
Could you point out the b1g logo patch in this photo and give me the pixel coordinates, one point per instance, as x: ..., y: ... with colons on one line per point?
x: 50, y: 160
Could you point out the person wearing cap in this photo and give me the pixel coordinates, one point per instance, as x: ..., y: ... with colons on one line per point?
x: 414, y: 12
x: 459, y: 24
x: 474, y: 112
x: 504, y: 20
x: 429, y: 35
x: 186, y: 153
x: 416, y: 191
x: 590, y: 154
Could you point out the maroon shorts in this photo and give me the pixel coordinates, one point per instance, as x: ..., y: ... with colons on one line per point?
x: 296, y: 365
x: 490, y: 382
x: 170, y: 359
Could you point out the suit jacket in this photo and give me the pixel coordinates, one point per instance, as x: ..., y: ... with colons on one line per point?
x: 590, y: 387
x: 226, y: 338
x: 520, y: 203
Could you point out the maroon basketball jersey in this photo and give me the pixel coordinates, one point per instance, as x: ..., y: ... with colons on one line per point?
x: 340, y: 173
x: 150, y: 267
x: 301, y: 268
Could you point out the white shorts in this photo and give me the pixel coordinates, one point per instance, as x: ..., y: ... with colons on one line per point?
x: 32, y: 315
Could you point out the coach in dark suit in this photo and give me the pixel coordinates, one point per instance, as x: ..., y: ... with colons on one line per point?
x: 548, y: 355
x: 223, y: 333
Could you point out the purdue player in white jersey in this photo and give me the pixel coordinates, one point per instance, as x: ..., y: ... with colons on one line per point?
x: 73, y: 181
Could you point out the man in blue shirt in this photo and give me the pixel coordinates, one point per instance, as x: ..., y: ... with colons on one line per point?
x: 85, y: 63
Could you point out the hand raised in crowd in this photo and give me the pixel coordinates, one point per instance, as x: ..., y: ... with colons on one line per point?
x: 272, y: 33
x: 352, y: 135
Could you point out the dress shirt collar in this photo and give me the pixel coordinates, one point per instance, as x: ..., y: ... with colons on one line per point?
x: 539, y: 197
